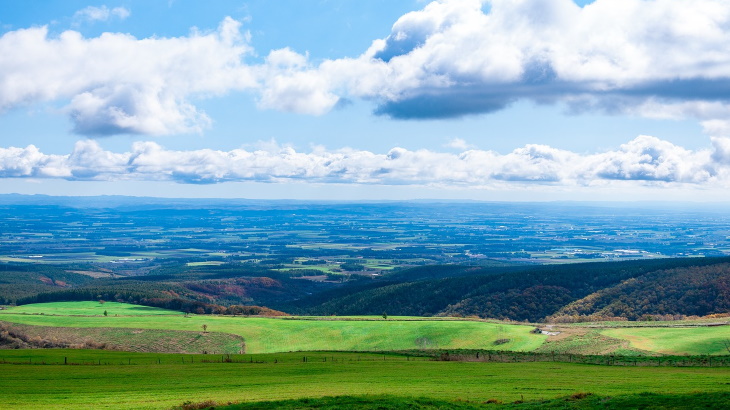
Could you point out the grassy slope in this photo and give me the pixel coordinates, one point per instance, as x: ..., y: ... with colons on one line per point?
x: 163, y: 385
x: 695, y: 340
x: 588, y: 342
x: 135, y: 340
x: 264, y: 335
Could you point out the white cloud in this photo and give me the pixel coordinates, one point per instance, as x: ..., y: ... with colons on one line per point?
x: 30, y: 162
x: 644, y: 161
x: 289, y: 86
x: 658, y: 59
x: 116, y: 83
x: 651, y: 159
x: 103, y: 13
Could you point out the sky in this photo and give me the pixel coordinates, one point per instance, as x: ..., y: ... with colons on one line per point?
x: 526, y: 100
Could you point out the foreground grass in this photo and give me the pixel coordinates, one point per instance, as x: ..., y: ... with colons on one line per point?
x: 578, y: 400
x: 269, y: 335
x: 163, y: 381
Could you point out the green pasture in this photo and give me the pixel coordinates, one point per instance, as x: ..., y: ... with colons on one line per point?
x: 89, y: 309
x: 372, y: 333
x: 127, y: 380
x: 292, y: 268
x: 269, y: 335
x: 675, y: 340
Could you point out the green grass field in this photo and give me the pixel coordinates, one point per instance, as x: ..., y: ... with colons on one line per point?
x: 268, y: 335
x: 90, y: 309
x: 372, y: 333
x: 144, y: 383
x: 689, y: 340
x: 98, y: 379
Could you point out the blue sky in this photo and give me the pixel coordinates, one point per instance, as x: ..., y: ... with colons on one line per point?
x: 336, y: 99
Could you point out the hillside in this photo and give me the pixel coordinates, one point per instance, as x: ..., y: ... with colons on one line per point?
x: 696, y: 290
x: 121, y: 326
x: 24, y: 280
x: 266, y: 335
x: 538, y: 292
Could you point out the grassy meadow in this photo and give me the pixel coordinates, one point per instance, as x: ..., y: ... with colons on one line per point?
x: 130, y: 380
x: 90, y: 309
x: 307, y: 359
x: 141, y: 328
x: 675, y: 340
x: 269, y: 335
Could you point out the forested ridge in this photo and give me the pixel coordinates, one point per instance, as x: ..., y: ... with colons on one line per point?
x: 695, y: 290
x: 538, y: 292
x: 627, y: 290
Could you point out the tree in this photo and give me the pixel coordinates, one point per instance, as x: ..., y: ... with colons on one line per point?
x: 385, y: 315
x: 205, y: 328
x: 105, y: 313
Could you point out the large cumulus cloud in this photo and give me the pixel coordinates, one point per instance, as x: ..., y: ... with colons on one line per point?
x: 651, y: 58
x: 644, y: 161
x: 659, y: 58
x: 116, y: 83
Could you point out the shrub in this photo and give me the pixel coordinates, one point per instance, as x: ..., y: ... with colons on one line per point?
x: 196, y: 406
x: 579, y: 395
